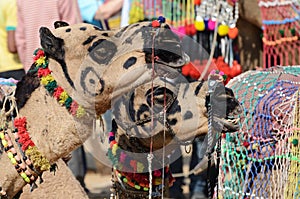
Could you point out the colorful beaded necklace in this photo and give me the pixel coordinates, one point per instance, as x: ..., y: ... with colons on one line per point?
x: 31, y: 163
x: 135, y: 179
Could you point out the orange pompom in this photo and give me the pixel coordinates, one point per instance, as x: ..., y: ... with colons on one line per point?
x: 233, y: 32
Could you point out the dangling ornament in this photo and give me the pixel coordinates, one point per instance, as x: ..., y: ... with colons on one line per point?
x: 211, y: 24
x: 223, y: 30
x: 199, y: 23
x: 190, y: 29
x: 197, y: 2
x: 233, y: 32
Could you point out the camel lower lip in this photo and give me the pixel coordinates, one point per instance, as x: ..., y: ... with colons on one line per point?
x: 228, y: 124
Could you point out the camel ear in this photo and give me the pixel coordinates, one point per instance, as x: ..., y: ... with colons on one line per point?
x: 59, y: 24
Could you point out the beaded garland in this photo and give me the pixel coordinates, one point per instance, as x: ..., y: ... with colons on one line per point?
x: 25, y: 169
x: 41, y: 62
x: 136, y: 178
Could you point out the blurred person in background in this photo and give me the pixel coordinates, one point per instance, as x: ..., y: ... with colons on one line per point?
x: 10, y: 65
x: 104, y: 14
x: 33, y: 14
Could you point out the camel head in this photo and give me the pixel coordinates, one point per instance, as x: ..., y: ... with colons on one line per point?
x: 136, y: 72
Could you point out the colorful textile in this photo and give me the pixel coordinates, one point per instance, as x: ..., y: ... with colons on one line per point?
x: 33, y: 14
x: 281, y: 42
x: 8, y: 22
x: 262, y: 159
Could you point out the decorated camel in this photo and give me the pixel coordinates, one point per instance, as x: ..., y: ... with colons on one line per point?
x: 136, y: 72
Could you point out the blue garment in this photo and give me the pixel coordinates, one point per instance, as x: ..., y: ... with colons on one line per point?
x: 198, y: 183
x: 88, y: 9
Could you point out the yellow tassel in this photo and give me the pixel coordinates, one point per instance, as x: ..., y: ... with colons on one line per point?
x: 63, y: 97
x: 40, y: 61
x: 39, y: 161
x: 114, y: 149
x: 80, y: 111
x: 47, y: 79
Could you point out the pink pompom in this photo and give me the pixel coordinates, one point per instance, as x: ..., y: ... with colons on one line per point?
x: 211, y: 24
x: 181, y: 30
x: 111, y: 134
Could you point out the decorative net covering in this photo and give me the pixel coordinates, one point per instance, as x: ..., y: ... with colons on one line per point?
x: 262, y: 159
x: 281, y: 43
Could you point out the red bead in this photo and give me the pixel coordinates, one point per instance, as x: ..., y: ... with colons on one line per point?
x: 246, y: 144
x: 155, y: 24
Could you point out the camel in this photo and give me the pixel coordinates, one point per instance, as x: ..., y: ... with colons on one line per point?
x: 101, y: 70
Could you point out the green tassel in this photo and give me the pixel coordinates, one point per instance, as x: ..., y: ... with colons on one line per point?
x: 68, y: 102
x: 51, y: 86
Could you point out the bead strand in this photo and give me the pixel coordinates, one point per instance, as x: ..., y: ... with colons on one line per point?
x: 15, y: 159
x: 24, y: 157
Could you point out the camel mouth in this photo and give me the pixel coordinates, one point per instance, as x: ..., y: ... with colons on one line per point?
x: 226, y: 124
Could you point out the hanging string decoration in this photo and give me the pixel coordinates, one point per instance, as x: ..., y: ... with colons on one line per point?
x: 15, y: 139
x: 281, y: 45
x: 199, y: 20
x: 261, y: 160
x: 215, y: 22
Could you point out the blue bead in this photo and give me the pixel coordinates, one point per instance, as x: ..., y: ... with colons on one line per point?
x: 161, y: 19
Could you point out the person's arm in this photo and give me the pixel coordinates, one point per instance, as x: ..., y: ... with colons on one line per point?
x: 108, y: 9
x: 11, y: 42
x: 69, y: 11
x: 19, y: 34
x: 88, y: 9
x: 11, y: 24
